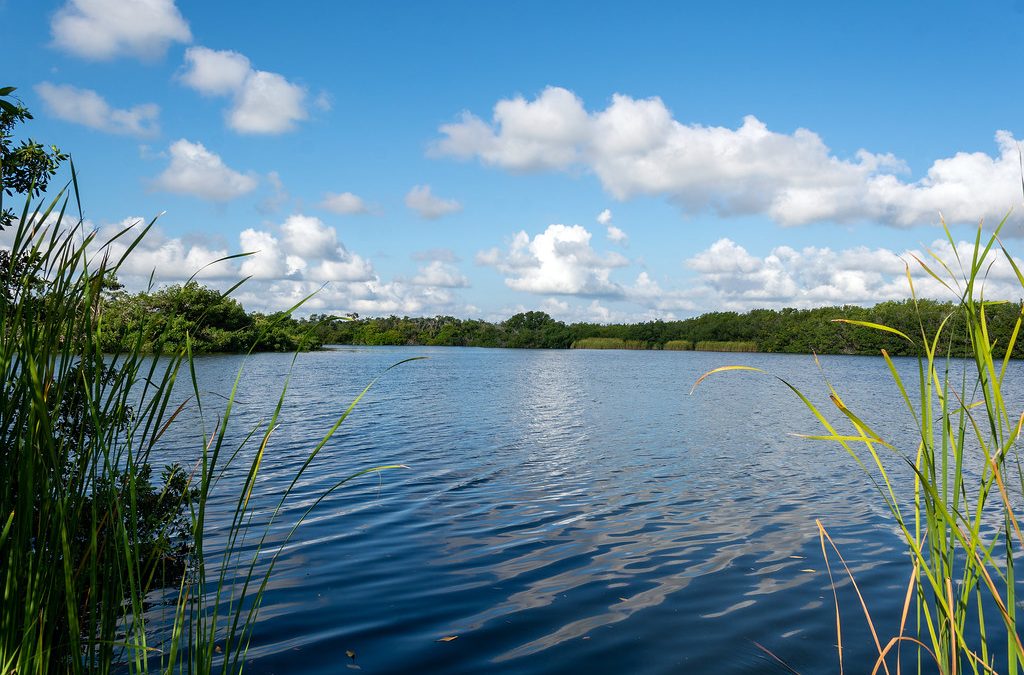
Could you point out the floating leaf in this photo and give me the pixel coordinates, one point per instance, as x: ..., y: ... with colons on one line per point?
x: 351, y: 654
x: 448, y: 638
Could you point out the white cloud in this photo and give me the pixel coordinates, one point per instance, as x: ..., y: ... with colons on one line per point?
x: 103, y: 29
x: 267, y: 104
x: 344, y: 203
x: 305, y: 249
x: 215, y: 73
x: 729, y: 277
x: 635, y: 147
x: 559, y: 260
x: 605, y: 217
x: 263, y: 102
x: 546, y: 133
x: 617, y: 236
x: 194, y: 170
x: 266, y: 261
x: 345, y: 282
x: 88, y: 108
x: 440, y: 275
x: 420, y: 200
x: 309, y: 237
x: 346, y: 267
x: 166, y: 258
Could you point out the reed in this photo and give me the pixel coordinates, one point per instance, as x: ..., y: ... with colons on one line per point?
x: 86, y: 530
x: 719, y: 346
x: 609, y: 343
x: 953, y: 506
x: 679, y: 345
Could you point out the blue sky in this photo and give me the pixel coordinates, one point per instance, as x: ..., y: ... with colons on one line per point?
x: 594, y: 160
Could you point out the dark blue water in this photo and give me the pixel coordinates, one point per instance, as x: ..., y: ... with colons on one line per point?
x: 563, y: 511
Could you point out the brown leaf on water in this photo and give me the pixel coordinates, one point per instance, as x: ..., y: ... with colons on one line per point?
x: 448, y: 638
x: 351, y: 654
x: 217, y: 649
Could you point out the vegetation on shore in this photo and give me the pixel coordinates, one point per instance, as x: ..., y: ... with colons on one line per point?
x: 823, y: 330
x: 210, y: 320
x: 88, y: 532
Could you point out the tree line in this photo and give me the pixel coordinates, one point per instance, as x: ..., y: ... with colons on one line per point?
x: 215, y: 323
x: 822, y: 330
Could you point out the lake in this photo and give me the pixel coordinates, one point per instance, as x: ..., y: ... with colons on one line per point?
x: 564, y: 511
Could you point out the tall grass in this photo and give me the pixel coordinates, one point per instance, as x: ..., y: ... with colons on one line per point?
x: 958, y: 505
x: 609, y: 343
x: 86, y: 531
x: 678, y: 345
x: 725, y: 346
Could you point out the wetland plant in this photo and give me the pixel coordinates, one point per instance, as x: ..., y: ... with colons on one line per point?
x: 88, y: 534
x: 955, y: 496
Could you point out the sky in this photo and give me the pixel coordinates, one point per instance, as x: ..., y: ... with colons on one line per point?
x: 598, y: 161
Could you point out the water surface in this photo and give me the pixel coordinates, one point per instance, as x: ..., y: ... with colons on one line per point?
x: 564, y: 511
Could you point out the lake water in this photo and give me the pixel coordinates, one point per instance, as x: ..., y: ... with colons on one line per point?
x: 565, y: 511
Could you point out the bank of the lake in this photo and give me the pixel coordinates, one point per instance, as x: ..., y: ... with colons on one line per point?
x: 215, y: 323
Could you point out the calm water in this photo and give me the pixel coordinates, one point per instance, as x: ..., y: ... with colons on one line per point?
x: 564, y: 511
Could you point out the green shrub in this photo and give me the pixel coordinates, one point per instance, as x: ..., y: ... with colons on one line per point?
x: 609, y: 343
x: 717, y: 346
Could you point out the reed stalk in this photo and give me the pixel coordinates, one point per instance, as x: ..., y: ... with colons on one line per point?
x: 87, y: 533
x: 954, y: 496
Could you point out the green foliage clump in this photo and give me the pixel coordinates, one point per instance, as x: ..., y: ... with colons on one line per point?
x: 87, y: 530
x: 720, y: 346
x: 609, y: 343
x: 25, y: 168
x: 212, y: 322
x: 678, y: 345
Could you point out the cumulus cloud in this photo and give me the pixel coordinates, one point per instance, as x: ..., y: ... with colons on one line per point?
x: 194, y: 170
x: 636, y: 147
x: 262, y: 102
x: 302, y: 248
x: 559, y: 260
x: 88, y: 108
x: 103, y: 29
x: 550, y: 132
x: 617, y: 236
x: 605, y: 217
x: 341, y: 281
x: 729, y: 277
x: 344, y: 203
x: 422, y: 201
x: 441, y: 275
